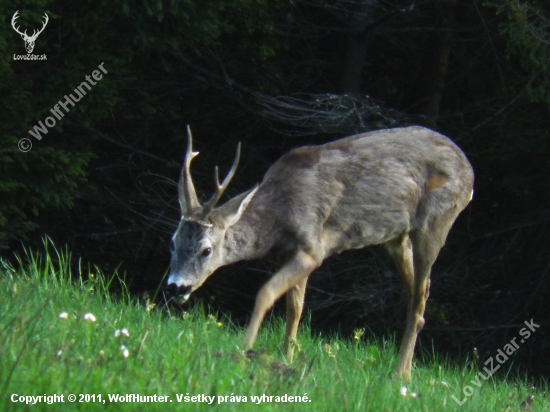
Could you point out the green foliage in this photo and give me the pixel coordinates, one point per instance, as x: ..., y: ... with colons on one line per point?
x: 527, y: 28
x: 58, y: 336
x: 30, y: 182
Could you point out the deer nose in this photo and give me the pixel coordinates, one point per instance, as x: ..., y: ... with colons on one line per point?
x: 179, y: 290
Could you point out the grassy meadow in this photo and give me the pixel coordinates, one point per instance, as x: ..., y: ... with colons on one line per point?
x: 60, y: 335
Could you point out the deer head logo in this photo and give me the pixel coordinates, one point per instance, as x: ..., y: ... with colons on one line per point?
x: 29, y: 40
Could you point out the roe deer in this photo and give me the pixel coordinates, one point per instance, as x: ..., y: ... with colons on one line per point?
x: 400, y: 187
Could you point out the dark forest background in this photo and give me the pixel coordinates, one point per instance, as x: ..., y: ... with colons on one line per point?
x: 277, y: 75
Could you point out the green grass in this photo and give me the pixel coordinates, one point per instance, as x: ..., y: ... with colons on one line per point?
x: 197, y: 353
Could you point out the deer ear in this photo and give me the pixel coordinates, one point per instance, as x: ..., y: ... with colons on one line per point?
x: 231, y: 212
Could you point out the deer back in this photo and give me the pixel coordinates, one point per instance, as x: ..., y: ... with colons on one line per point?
x: 361, y: 190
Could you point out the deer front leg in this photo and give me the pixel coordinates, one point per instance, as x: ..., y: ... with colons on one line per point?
x: 290, y: 275
x: 294, y: 306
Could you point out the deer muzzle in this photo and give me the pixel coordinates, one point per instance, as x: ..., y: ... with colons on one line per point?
x: 179, y: 293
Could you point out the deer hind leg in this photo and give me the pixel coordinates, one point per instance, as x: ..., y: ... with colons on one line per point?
x: 401, y: 252
x: 293, y: 273
x: 425, y: 248
x: 294, y: 306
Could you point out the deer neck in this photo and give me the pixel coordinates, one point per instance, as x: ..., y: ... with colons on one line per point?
x: 248, y: 238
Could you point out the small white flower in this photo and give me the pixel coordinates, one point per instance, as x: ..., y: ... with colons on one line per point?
x: 63, y: 315
x: 59, y: 352
x: 124, y: 350
x: 90, y: 317
x: 122, y: 332
x: 406, y: 393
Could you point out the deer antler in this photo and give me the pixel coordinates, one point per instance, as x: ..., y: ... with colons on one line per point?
x: 221, y: 188
x: 15, y: 16
x: 187, y: 195
x: 37, y: 32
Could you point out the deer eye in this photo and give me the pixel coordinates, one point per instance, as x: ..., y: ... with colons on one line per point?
x: 206, y: 252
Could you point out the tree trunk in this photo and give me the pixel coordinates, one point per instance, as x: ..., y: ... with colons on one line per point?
x: 356, y: 49
x: 429, y: 87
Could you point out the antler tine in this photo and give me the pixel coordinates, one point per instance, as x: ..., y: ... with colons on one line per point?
x: 221, y: 188
x: 187, y: 195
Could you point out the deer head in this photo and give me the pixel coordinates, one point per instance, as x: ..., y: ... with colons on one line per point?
x: 198, y: 244
x: 29, y: 40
